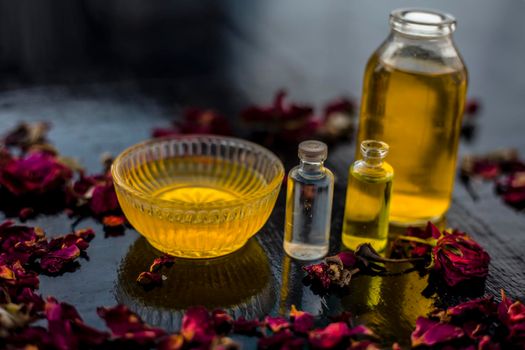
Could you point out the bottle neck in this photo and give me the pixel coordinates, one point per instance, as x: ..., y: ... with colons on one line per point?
x: 373, y: 161
x: 311, y: 169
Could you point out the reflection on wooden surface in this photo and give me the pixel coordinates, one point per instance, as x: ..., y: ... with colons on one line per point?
x: 241, y: 283
x: 389, y: 305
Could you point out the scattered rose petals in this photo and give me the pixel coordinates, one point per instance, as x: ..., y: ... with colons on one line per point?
x: 276, y: 324
x: 222, y: 321
x: 431, y: 333
x: 197, y: 327
x: 196, y: 121
x: 35, y: 173
x: 67, y: 329
x: 172, y: 342
x: 476, y: 307
x: 13, y: 316
x: 126, y: 326
x: 149, y: 279
x: 104, y: 199
x: 55, y: 261
x: 244, y: 326
x: 330, y: 336
x: 280, y: 340
x: 158, y: 263
x: 27, y: 135
x: 512, y: 315
x: 503, y: 168
x: 459, y: 258
x: 303, y: 322
x: 113, y: 221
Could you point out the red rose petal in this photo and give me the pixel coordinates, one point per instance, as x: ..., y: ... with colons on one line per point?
x: 330, y: 336
x: 54, y: 261
x: 222, y: 321
x: 126, y: 325
x: 276, y: 324
x: 197, y: 326
x: 158, y: 263
x: 431, y: 333
x: 149, y: 279
x: 303, y: 322
x: 458, y: 258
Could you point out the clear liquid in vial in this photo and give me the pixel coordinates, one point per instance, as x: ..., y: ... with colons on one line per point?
x: 308, y: 211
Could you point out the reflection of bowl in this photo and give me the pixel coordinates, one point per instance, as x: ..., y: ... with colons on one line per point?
x: 240, y: 283
x: 197, y: 196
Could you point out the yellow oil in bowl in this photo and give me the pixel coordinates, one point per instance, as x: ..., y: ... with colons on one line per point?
x: 197, y: 196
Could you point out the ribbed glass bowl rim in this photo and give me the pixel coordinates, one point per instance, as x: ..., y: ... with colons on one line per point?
x: 275, y: 183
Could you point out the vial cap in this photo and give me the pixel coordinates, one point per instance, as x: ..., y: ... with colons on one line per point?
x: 313, y: 151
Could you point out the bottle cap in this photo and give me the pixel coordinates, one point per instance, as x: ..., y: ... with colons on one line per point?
x: 313, y: 151
x: 374, y: 149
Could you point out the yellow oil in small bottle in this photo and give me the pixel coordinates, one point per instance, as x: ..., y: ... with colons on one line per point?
x: 368, y: 198
x: 192, y: 182
x: 417, y: 111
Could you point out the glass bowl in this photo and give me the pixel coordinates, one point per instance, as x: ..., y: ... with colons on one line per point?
x: 197, y: 196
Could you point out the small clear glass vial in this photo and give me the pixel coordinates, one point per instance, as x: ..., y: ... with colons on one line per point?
x: 309, y: 196
x: 368, y: 196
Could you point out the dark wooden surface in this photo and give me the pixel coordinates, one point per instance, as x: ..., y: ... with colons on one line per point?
x: 317, y: 51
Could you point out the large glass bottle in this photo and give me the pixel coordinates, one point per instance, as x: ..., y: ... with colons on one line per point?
x: 413, y: 97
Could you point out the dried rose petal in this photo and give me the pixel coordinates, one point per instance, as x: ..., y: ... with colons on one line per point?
x: 6, y: 273
x: 26, y: 213
x: 286, y: 122
x: 104, y: 199
x: 197, y: 326
x: 472, y: 106
x: 512, y: 315
x: 431, y: 333
x: 55, y: 261
x: 172, y: 342
x: 32, y: 300
x: 330, y: 336
x: 481, y: 306
x: 303, y: 322
x: 346, y: 259
x: 244, y: 326
x: 36, y: 173
x: 204, y: 121
x: 320, y: 273
x: 13, y: 316
x: 67, y: 329
x: 474, y: 329
x: 149, y: 279
x: 28, y: 337
x: 126, y: 325
x: 281, y: 340
x: 26, y: 135
x: 363, y: 345
x: 276, y: 324
x: 163, y: 132
x: 158, y: 263
x: 360, y: 331
x: 486, y: 343
x: 113, y: 221
x: 458, y: 258
x: 222, y: 321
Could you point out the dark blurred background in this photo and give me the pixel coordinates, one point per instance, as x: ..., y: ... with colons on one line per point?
x: 247, y: 50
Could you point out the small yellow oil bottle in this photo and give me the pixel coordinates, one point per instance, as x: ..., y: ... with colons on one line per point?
x: 368, y: 198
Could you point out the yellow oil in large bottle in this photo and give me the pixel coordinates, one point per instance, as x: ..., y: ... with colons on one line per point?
x: 418, y: 112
